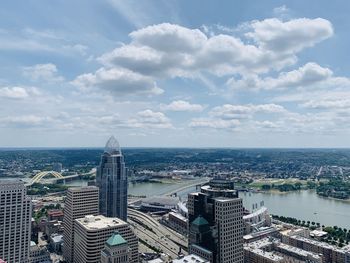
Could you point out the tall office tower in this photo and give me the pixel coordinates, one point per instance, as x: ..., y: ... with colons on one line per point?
x: 91, y: 234
x: 116, y: 250
x: 216, y: 222
x: 15, y: 222
x: 79, y: 203
x: 112, y: 180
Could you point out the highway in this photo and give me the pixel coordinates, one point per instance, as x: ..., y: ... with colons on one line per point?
x: 153, y: 233
x: 160, y: 229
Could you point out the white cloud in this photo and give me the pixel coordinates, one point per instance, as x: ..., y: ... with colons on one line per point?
x: 13, y: 92
x: 25, y: 121
x: 169, y: 50
x: 291, y: 36
x: 169, y: 38
x: 181, y: 105
x: 341, y: 103
x: 307, y: 75
x: 118, y: 81
x: 43, y: 72
x: 18, y: 92
x: 232, y: 117
x: 229, y: 111
x: 150, y: 119
x: 214, y: 123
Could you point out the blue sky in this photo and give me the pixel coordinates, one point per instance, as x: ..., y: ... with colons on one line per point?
x: 175, y: 73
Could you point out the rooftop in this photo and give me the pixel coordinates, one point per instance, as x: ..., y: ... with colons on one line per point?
x: 190, y: 259
x: 200, y: 221
x: 116, y: 240
x: 161, y: 200
x: 91, y: 222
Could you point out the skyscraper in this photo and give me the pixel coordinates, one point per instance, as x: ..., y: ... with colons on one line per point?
x: 113, y: 182
x: 15, y: 222
x: 216, y: 222
x: 79, y: 203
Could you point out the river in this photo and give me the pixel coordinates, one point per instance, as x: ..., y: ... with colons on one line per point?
x: 303, y: 205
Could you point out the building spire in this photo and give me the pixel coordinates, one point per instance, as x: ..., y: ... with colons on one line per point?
x: 112, y: 146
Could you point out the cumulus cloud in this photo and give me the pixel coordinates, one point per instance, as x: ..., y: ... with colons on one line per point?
x: 291, y: 36
x: 150, y: 119
x: 170, y: 50
x: 118, y: 81
x: 43, y: 72
x: 181, y: 105
x: 18, y: 92
x: 307, y: 75
x: 169, y: 38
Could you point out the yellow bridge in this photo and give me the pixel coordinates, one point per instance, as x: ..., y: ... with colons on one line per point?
x: 39, y: 176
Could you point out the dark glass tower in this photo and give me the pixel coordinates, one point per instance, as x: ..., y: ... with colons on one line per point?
x: 112, y: 181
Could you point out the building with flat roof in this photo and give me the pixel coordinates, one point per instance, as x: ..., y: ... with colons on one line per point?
x: 15, y: 221
x: 79, y: 202
x: 270, y: 250
x: 91, y: 234
x: 215, y: 216
x: 38, y: 254
x: 190, y: 259
x: 331, y: 254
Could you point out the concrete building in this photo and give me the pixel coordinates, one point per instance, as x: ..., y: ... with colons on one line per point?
x: 190, y: 259
x: 116, y: 250
x: 111, y: 178
x: 56, y: 242
x: 55, y: 214
x: 216, y: 222
x: 38, y: 254
x: 270, y: 250
x: 178, y: 222
x: 15, y: 222
x: 91, y: 234
x: 79, y: 203
x: 331, y: 254
x: 53, y: 227
x: 263, y: 232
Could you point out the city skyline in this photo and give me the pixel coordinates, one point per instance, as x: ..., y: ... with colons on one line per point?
x: 175, y: 74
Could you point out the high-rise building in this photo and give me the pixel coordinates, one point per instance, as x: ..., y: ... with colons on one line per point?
x: 116, y: 250
x: 15, y: 222
x: 91, y: 234
x: 216, y: 222
x: 79, y: 202
x: 112, y: 180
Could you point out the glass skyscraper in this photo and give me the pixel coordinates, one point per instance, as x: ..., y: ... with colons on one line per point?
x: 112, y: 181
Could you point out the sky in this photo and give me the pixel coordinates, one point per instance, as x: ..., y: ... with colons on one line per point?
x: 167, y: 73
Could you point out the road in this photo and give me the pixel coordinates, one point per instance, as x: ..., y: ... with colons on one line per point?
x: 151, y: 232
x: 159, y: 228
